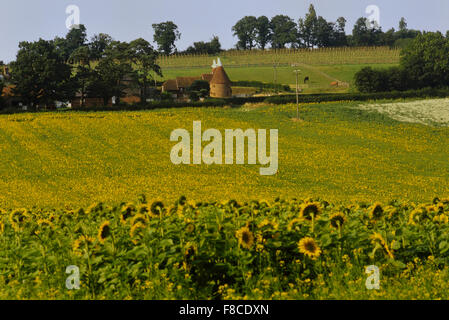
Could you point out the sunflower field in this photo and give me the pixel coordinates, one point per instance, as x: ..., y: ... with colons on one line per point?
x: 281, y: 249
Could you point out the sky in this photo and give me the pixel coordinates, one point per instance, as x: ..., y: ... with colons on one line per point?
x: 197, y: 20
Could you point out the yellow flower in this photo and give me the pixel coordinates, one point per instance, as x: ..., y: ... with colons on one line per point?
x: 376, y: 211
x: 83, y: 244
x: 140, y: 217
x: 417, y: 215
x: 104, y: 231
x: 292, y: 224
x: 310, y: 209
x: 245, y: 237
x: 18, y: 218
x: 266, y: 223
x: 441, y: 219
x: 127, y: 211
x: 157, y: 209
x: 190, y: 251
x: 337, y: 220
x: 190, y: 228
x: 136, y: 232
x: 377, y: 238
x: 309, y: 247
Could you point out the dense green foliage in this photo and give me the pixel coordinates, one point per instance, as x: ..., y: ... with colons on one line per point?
x: 424, y: 63
x: 165, y: 35
x: 225, y: 250
x: 40, y: 74
x: 314, y: 31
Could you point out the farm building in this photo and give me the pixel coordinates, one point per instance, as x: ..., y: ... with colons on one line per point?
x: 220, y: 85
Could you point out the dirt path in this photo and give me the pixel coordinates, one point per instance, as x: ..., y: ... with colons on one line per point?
x: 331, y: 79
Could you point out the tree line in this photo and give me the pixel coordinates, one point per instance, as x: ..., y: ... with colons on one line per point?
x: 424, y: 63
x: 281, y: 31
x: 56, y: 70
x: 315, y: 31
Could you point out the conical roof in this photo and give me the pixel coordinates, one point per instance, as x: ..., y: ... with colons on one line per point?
x: 220, y: 77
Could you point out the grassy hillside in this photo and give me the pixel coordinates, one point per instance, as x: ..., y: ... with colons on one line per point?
x: 320, y: 77
x: 338, y: 153
x: 322, y: 66
x: 325, y: 56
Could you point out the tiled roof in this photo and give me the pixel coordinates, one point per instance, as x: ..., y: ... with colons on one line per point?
x: 220, y: 77
x: 170, y: 85
x: 185, y: 82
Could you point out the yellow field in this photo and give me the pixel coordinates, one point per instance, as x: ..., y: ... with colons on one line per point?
x: 337, y: 153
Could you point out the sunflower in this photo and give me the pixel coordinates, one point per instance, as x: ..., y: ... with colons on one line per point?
x: 417, y: 215
x: 292, y: 224
x: 190, y: 251
x: 377, y: 238
x: 266, y: 223
x: 337, y: 220
x: 143, y: 209
x: 309, y: 247
x: 2, y: 227
x: 83, y: 243
x: 18, y: 218
x: 245, y: 237
x: 127, y: 211
x: 190, y: 228
x: 376, y: 211
x: 309, y: 210
x: 142, y: 218
x: 136, y: 232
x: 441, y: 219
x: 104, y: 231
x: 157, y: 209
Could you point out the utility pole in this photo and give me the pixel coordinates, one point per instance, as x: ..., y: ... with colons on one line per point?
x: 275, y: 77
x: 297, y: 71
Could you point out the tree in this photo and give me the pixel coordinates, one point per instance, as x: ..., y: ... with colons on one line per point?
x: 402, y: 25
x: 110, y: 73
x: 308, y: 28
x: 201, y: 47
x: 263, y: 32
x: 426, y: 60
x: 246, y: 31
x: 2, y: 85
x: 365, y: 35
x: 40, y: 74
x: 165, y: 35
x: 144, y: 58
x: 323, y: 33
x: 339, y: 35
x: 75, y: 38
x: 98, y: 44
x: 283, y: 30
x: 370, y: 80
x: 81, y: 60
x: 215, y: 45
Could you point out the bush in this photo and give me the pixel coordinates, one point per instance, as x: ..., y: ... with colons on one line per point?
x: 199, y: 85
x: 424, y: 63
x: 393, y: 79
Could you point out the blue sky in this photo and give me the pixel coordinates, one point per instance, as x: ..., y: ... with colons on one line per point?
x: 198, y: 20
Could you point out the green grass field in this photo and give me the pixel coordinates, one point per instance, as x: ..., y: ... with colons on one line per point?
x: 321, y: 66
x: 321, y: 76
x: 337, y: 153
